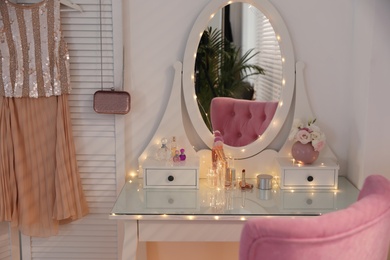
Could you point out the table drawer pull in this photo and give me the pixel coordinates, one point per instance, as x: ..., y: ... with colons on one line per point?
x: 310, y: 178
x: 171, y: 178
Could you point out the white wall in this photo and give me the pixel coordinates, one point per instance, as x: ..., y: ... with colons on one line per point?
x: 155, y: 34
x: 343, y: 44
x: 369, y: 139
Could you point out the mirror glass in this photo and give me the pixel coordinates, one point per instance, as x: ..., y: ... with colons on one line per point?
x: 268, y: 74
x: 238, y: 56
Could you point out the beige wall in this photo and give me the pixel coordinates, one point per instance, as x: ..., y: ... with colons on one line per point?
x: 192, y: 250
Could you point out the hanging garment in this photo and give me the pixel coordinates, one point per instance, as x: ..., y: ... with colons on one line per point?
x: 40, y: 186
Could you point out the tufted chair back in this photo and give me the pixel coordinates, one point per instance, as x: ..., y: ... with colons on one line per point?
x: 359, y: 232
x: 241, y: 121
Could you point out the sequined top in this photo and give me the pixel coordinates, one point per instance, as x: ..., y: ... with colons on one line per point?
x: 34, y: 59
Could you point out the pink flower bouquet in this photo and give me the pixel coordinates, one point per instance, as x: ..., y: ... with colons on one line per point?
x: 307, y: 133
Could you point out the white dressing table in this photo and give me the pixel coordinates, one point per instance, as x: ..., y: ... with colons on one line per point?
x: 207, y: 214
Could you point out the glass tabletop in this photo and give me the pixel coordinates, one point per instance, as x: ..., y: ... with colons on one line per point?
x: 135, y: 202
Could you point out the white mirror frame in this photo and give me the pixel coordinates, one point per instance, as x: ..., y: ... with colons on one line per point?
x: 288, y: 84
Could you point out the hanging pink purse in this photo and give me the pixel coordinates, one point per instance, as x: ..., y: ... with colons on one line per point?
x: 111, y: 102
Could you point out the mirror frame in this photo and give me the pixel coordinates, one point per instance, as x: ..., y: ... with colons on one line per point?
x: 288, y: 84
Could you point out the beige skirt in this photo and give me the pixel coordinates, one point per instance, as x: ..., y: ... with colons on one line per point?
x: 39, y: 180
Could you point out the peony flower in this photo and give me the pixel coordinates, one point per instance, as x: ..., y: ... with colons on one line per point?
x: 315, y: 135
x: 303, y: 136
x: 307, y: 133
x: 318, y: 144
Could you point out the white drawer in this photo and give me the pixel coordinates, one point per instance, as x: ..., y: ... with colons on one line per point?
x: 308, y: 200
x: 182, y: 175
x: 165, y: 199
x: 170, y: 177
x: 310, y: 178
x: 323, y: 174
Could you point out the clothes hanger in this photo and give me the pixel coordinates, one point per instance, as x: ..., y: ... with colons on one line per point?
x: 71, y: 5
x: 68, y: 3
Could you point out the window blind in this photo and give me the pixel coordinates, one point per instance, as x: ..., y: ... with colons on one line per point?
x: 269, y: 86
x: 260, y: 35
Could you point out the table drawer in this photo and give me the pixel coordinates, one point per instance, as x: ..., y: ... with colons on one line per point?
x: 322, y: 174
x: 311, y: 178
x: 308, y: 200
x: 157, y: 199
x: 170, y: 177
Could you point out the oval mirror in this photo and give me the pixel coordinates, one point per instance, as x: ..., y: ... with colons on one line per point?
x: 218, y: 22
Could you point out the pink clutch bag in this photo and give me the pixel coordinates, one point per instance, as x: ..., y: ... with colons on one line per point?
x: 111, y: 102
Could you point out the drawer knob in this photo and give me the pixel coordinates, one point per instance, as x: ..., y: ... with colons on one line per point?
x: 171, y: 178
x: 310, y: 178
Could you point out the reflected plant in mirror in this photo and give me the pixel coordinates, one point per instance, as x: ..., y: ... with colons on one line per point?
x: 221, y: 70
x: 238, y: 56
x: 258, y: 30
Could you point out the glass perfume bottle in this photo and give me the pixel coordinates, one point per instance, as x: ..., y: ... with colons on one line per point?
x: 176, y: 158
x: 182, y: 155
x: 163, y: 153
x: 173, y: 146
x: 217, y: 152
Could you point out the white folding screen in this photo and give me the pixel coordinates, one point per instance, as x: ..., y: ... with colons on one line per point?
x: 98, y: 138
x: 9, y: 242
x: 5, y: 243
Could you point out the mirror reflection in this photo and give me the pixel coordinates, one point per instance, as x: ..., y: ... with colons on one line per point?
x: 238, y: 57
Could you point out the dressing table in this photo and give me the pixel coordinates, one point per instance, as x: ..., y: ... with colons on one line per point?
x: 208, y: 214
x: 151, y: 210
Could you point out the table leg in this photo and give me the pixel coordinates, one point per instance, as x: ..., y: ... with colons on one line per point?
x: 130, y: 240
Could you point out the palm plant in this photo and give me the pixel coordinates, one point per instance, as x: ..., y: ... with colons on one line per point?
x: 221, y: 71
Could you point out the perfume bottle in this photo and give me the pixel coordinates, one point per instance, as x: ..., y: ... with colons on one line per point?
x: 173, y: 146
x: 163, y: 153
x: 182, y: 155
x: 217, y: 152
x: 176, y: 158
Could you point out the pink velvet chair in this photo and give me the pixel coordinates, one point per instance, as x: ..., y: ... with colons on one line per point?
x: 241, y: 121
x: 359, y: 232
